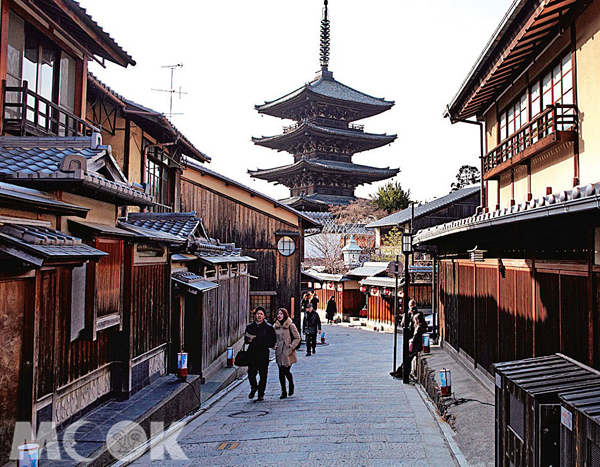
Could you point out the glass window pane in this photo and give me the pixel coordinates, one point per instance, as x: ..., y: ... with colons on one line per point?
x: 566, y: 64
x: 67, y: 82
x: 46, y: 78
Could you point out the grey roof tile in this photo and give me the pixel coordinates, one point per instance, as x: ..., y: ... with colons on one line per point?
x: 403, y: 216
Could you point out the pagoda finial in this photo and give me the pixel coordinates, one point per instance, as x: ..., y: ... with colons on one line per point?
x: 325, y: 38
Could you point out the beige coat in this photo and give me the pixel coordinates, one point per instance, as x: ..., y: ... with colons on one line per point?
x: 284, y: 353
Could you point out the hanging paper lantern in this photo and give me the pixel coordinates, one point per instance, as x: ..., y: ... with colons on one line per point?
x: 374, y: 290
x: 363, y: 288
x: 387, y: 292
x: 330, y: 285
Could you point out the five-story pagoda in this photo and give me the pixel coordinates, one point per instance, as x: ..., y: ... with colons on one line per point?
x: 324, y: 139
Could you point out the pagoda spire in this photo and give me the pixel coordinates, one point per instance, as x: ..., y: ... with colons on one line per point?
x: 325, y: 38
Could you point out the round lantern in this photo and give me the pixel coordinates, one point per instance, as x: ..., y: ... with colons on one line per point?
x: 330, y: 285
x: 387, y: 292
x: 363, y: 288
x: 374, y: 290
x: 340, y: 287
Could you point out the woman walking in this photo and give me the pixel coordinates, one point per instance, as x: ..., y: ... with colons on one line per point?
x: 331, y: 309
x: 288, y: 339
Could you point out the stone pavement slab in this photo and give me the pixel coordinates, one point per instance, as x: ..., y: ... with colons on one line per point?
x: 347, y: 410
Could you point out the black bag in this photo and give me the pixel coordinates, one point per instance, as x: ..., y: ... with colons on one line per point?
x: 292, y: 338
x: 242, y: 358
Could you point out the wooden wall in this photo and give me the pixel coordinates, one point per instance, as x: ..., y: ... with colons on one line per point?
x: 225, y: 312
x: 16, y: 306
x: 512, y: 309
x: 254, y: 231
x: 149, y: 307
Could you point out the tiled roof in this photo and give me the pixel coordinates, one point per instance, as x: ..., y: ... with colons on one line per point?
x: 39, y: 161
x: 369, y: 269
x: 83, y: 14
x: 33, y: 160
x: 100, y: 229
x: 229, y: 256
x: 194, y: 281
x: 323, y: 165
x: 45, y: 243
x: 325, y: 86
x: 180, y: 225
x: 319, y: 200
x: 401, y: 217
x: 22, y: 196
x: 579, y: 199
x: 380, y: 282
x: 363, y: 141
x: 322, y: 276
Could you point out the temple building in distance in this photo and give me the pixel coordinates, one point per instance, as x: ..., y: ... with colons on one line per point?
x: 323, y: 139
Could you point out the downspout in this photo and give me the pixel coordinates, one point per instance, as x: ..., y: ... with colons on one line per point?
x: 454, y: 120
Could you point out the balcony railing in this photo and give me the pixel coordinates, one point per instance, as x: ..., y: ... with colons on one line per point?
x: 327, y: 122
x: 27, y: 113
x: 557, y: 123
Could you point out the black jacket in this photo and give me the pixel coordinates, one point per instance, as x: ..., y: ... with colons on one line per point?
x: 331, y: 309
x: 315, y: 302
x: 311, y: 323
x: 260, y: 339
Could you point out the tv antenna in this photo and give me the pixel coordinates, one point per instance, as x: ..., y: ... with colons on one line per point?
x: 172, y: 91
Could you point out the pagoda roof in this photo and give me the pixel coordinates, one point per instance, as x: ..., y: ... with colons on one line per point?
x: 363, y: 141
x: 362, y: 173
x: 317, y: 201
x: 324, y: 88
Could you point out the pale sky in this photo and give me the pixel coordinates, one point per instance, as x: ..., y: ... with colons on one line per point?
x: 239, y: 53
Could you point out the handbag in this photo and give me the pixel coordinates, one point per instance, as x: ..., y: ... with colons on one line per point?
x: 292, y: 338
x: 242, y: 358
x: 410, y: 345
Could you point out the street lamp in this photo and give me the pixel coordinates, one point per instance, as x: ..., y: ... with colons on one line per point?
x: 407, y: 249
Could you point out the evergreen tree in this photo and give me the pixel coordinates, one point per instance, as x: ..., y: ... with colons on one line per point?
x: 467, y: 175
x: 391, y: 197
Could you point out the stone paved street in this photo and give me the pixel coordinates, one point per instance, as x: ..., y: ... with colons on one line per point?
x: 347, y: 410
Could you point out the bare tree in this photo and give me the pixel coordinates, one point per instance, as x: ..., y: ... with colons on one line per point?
x: 325, y: 249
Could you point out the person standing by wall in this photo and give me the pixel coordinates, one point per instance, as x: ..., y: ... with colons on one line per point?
x: 260, y: 336
x: 310, y: 326
x: 331, y: 309
x: 315, y: 302
x: 288, y: 339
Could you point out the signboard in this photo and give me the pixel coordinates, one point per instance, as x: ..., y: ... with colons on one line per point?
x: 498, y: 380
x: 566, y: 418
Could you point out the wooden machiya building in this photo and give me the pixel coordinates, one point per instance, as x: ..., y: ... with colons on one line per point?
x: 270, y: 232
x: 531, y: 286
x: 323, y: 139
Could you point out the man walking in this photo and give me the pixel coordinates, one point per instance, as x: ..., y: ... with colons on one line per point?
x: 310, y: 326
x: 260, y: 336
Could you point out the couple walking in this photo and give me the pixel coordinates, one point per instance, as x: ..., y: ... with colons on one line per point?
x: 261, y: 336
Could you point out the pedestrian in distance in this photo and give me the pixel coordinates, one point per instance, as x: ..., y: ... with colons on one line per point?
x: 330, y: 309
x: 310, y: 327
x: 288, y: 339
x: 260, y: 337
x: 304, y: 302
x: 314, y: 301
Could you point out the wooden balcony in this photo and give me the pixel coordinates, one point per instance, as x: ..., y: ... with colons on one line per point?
x: 555, y: 125
x: 25, y: 113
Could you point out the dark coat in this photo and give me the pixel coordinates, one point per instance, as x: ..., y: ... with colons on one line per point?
x: 303, y: 304
x: 315, y: 302
x: 260, y: 339
x: 331, y: 309
x: 417, y: 339
x: 312, y: 323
